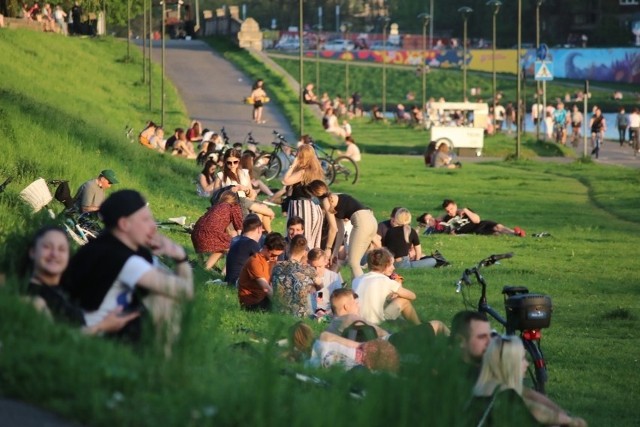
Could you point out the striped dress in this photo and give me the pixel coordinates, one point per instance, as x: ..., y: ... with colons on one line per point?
x: 306, y: 207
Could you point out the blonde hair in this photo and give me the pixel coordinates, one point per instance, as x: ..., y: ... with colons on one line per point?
x: 309, y: 163
x: 402, y: 217
x: 501, y: 366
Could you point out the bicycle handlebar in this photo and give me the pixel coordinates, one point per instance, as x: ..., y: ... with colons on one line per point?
x: 489, y: 261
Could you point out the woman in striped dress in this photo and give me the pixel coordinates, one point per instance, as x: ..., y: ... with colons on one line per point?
x: 305, y: 169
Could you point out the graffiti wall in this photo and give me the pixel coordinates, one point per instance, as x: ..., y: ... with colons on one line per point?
x: 614, y: 65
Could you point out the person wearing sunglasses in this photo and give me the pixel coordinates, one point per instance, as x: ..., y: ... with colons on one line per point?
x: 498, y: 397
x: 238, y: 180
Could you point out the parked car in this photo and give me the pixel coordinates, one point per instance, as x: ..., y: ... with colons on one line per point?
x: 339, y: 45
x: 287, y: 44
x: 379, y: 45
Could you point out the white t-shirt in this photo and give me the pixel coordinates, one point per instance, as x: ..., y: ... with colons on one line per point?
x: 121, y: 292
x: 331, y: 281
x: 353, y: 152
x: 325, y: 354
x: 373, y: 288
x: 243, y: 176
x: 634, y: 120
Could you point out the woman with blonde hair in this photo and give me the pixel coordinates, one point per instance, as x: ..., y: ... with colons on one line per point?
x: 239, y: 181
x: 304, y: 169
x: 403, y: 242
x: 498, y: 398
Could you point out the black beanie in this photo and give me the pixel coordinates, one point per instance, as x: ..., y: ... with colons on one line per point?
x: 120, y: 204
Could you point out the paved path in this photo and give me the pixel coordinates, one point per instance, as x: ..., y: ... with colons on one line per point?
x: 19, y: 414
x: 213, y: 89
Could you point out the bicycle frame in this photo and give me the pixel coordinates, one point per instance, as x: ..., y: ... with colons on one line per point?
x: 530, y: 337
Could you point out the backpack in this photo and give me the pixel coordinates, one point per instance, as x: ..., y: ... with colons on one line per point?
x: 360, y: 331
x: 325, y: 122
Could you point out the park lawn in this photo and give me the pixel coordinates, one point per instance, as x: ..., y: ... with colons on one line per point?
x: 588, y: 266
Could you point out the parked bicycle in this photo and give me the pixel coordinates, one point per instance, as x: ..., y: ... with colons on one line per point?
x: 81, y: 227
x: 272, y: 163
x: 340, y: 169
x: 526, y: 313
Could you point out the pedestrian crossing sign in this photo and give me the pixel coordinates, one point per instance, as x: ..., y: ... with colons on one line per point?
x: 544, y: 71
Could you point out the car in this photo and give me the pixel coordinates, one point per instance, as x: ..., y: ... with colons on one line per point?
x: 287, y: 43
x: 379, y: 45
x: 339, y: 45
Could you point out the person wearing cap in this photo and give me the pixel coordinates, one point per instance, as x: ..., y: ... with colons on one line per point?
x: 91, y: 194
x: 121, y: 266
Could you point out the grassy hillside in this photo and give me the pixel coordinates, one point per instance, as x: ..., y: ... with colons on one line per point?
x: 66, y: 119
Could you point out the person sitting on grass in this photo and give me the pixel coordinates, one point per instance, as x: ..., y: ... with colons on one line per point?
x: 49, y: 254
x: 294, y: 280
x: 210, y: 233
x: 353, y: 152
x: 466, y: 221
x: 107, y: 272
x: 382, y: 298
x: 498, y: 396
x: 206, y: 179
x: 331, y: 124
x: 471, y: 334
x: 330, y: 281
x: 91, y: 194
x: 442, y: 158
x: 254, y: 283
x: 329, y: 349
x: 403, y: 242
x: 247, y: 244
x: 182, y: 147
x: 145, y: 136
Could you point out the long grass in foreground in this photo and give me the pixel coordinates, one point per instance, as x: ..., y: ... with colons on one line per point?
x: 220, y: 375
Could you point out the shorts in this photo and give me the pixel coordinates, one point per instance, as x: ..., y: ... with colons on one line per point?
x: 392, y: 310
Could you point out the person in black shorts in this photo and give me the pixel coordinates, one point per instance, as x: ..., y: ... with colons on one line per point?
x: 466, y: 221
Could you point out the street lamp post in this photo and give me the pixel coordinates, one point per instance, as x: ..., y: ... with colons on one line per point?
x: 345, y: 27
x: 144, y: 41
x: 519, y: 88
x: 301, y: 59
x: 431, y: 26
x: 386, y: 21
x: 162, y: 29
x: 426, y: 18
x: 465, y: 11
x: 495, y: 4
x: 319, y: 31
x: 537, y: 97
x: 150, y: 47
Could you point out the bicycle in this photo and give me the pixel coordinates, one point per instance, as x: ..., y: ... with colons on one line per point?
x: 272, y: 162
x: 337, y: 170
x: 80, y: 227
x: 526, y: 313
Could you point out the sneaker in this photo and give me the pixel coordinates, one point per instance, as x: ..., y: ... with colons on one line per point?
x: 543, y: 234
x: 215, y: 282
x: 519, y: 232
x: 268, y: 203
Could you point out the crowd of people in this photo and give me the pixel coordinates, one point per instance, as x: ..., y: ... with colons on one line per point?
x: 55, y: 19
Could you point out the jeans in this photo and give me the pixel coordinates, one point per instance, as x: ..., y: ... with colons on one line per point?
x: 425, y: 262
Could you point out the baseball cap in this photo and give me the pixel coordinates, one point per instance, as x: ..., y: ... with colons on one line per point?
x: 120, y: 204
x: 110, y: 175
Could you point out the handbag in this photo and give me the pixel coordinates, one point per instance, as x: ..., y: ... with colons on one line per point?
x: 360, y: 331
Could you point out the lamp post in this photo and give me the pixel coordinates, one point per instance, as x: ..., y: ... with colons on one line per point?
x: 537, y: 99
x: 162, y: 29
x: 495, y: 4
x: 144, y: 41
x: 426, y: 18
x: 301, y: 59
x: 150, y: 47
x: 431, y: 26
x: 386, y: 21
x: 319, y: 31
x: 345, y: 27
x: 519, y: 88
x: 465, y: 11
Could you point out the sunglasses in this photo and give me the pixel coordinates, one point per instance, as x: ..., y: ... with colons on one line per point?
x: 503, y: 339
x: 233, y: 162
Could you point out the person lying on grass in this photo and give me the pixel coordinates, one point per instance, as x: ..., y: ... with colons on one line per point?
x: 466, y: 221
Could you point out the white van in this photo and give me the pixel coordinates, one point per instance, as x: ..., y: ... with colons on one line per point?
x: 461, y: 125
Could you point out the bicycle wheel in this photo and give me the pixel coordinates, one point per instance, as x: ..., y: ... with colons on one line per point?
x: 538, y: 368
x: 346, y: 170
x: 272, y: 165
x: 328, y: 169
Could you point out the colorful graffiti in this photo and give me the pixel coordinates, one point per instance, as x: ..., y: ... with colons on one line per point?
x: 613, y: 65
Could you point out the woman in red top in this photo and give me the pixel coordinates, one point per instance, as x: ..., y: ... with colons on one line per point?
x: 210, y: 231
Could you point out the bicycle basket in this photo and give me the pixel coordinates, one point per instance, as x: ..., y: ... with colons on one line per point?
x: 37, y: 194
x: 528, y: 311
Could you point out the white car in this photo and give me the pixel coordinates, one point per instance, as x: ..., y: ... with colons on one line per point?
x: 378, y: 45
x: 339, y: 45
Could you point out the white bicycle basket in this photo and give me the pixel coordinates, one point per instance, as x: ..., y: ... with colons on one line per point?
x: 37, y: 194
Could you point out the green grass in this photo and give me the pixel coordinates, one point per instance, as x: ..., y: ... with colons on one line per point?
x: 588, y: 265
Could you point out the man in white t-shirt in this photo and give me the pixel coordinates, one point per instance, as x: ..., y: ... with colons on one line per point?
x: 121, y: 269
x: 382, y: 298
